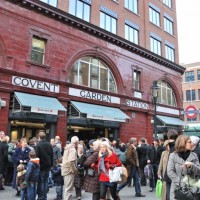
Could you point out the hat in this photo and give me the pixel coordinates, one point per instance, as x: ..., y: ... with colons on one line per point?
x: 194, y: 139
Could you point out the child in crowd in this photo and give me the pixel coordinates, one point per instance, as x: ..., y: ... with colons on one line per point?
x: 58, y: 179
x: 32, y: 175
x: 21, y: 189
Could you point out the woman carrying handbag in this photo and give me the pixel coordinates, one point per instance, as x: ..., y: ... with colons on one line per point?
x: 181, y: 162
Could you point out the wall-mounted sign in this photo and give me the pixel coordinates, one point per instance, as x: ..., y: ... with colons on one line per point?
x: 191, y: 112
x: 35, y: 84
x: 137, y: 104
x: 44, y: 111
x: 109, y: 118
x: 93, y: 95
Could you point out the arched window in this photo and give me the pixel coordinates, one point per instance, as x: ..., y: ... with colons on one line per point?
x: 92, y: 72
x: 166, y: 95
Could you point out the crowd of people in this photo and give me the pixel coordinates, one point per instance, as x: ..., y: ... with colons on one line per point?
x: 32, y: 167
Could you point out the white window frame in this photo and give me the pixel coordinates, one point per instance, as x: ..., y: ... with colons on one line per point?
x: 168, y: 3
x: 131, y: 5
x: 154, y: 16
x: 168, y: 26
x: 131, y: 34
x: 155, y: 45
x: 169, y: 53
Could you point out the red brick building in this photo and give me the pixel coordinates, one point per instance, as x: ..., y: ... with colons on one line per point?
x: 57, y: 70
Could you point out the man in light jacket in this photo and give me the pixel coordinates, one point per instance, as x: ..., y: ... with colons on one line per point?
x: 68, y: 167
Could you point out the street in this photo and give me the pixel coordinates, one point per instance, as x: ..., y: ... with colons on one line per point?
x: 126, y: 194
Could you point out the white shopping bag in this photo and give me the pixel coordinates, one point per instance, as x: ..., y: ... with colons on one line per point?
x: 115, y: 174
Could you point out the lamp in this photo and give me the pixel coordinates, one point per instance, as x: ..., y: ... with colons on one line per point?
x: 155, y: 90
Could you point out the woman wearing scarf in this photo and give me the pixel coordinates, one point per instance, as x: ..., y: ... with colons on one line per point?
x: 182, y: 162
x: 107, y: 160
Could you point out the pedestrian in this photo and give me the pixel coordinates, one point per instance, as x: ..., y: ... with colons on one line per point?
x: 91, y: 183
x: 78, y: 179
x: 44, y: 152
x: 32, y: 175
x: 58, y: 179
x: 21, y: 171
x: 2, y: 135
x: 132, y: 168
x: 69, y: 169
x: 195, y: 145
x: 3, y: 158
x: 182, y: 162
x: 21, y: 155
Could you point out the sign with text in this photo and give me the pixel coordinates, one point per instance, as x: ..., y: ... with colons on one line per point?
x: 35, y: 84
x: 93, y: 95
x: 137, y: 104
x: 191, y: 112
x: 44, y: 111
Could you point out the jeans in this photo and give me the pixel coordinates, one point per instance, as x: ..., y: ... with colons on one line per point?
x: 59, y: 191
x: 153, y: 181
x: 43, y: 185
x: 113, y: 190
x: 134, y: 174
x: 50, y: 180
x: 23, y: 194
x: 31, y: 191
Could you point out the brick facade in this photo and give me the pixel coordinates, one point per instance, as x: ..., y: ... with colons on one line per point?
x: 66, y: 44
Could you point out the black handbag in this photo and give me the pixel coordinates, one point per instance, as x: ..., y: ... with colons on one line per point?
x: 186, y: 192
x: 91, y: 172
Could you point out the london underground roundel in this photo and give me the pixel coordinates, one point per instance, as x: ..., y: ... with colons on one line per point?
x: 191, y: 112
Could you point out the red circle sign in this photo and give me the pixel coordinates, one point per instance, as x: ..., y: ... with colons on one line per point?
x: 191, y: 112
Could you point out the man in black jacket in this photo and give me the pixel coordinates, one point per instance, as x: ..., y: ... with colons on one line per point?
x: 44, y: 152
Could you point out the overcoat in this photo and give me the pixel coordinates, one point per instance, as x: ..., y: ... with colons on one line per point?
x: 3, y: 156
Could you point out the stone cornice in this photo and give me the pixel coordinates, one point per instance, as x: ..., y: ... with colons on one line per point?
x: 65, y: 18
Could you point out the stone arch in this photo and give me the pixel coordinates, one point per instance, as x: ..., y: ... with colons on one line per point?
x: 2, y: 53
x: 100, y: 55
x: 174, y: 88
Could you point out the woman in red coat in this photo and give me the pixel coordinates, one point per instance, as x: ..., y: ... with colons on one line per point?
x: 107, y: 160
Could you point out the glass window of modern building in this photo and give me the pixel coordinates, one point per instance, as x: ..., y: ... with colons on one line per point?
x: 190, y: 95
x: 166, y: 94
x: 80, y: 9
x: 155, y: 45
x: 168, y: 3
x: 38, y: 50
x: 154, y: 15
x: 132, y: 34
x: 168, y: 26
x: 132, y: 5
x: 51, y: 2
x: 169, y: 53
x: 189, y: 76
x: 92, y: 72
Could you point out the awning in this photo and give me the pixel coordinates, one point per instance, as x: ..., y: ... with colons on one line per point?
x: 37, y: 104
x: 170, y: 120
x: 92, y: 111
x: 192, y: 133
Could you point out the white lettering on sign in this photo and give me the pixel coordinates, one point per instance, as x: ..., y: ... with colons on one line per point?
x: 35, y: 84
x: 137, y: 104
x: 93, y: 95
x: 44, y: 111
x: 102, y: 117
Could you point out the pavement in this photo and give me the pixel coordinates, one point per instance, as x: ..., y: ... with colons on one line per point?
x: 127, y: 193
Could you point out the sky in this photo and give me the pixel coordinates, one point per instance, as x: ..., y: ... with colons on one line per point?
x: 188, y: 20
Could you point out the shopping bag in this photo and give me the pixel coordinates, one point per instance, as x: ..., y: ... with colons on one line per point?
x: 115, y: 174
x: 159, y: 186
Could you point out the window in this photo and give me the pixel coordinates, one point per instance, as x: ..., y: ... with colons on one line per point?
x: 155, y: 46
x: 166, y: 94
x: 38, y: 50
x: 169, y: 53
x: 198, y: 94
x: 51, y: 2
x: 168, y: 3
x: 192, y: 120
x: 131, y: 34
x: 132, y: 5
x: 108, y: 22
x: 154, y: 16
x: 80, y: 9
x: 189, y: 76
x: 91, y: 72
x: 168, y: 26
x: 136, y: 80
x: 190, y: 95
x: 198, y: 74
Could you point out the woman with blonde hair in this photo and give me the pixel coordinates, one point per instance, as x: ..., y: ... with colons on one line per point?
x: 182, y: 162
x: 162, y: 168
x: 107, y: 160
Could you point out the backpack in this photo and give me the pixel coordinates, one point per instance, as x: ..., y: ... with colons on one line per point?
x: 122, y: 157
x: 148, y: 171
